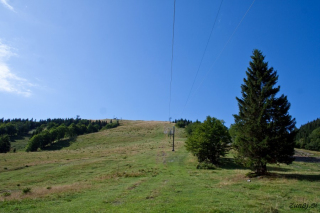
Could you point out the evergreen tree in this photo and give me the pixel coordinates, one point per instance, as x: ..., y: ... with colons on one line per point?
x: 4, y: 144
x: 265, y: 130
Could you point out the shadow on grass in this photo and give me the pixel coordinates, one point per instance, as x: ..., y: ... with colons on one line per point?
x: 229, y: 163
x: 60, y: 144
x: 307, y: 159
x: 300, y: 177
x: 278, y: 169
x: 225, y: 163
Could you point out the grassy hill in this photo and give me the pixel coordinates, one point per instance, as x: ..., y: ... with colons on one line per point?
x: 132, y: 169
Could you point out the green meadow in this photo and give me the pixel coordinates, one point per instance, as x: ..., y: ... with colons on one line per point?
x: 132, y: 168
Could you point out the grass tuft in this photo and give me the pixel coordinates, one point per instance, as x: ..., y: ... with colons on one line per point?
x: 26, y: 190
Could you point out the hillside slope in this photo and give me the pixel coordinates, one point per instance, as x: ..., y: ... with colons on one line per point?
x: 132, y: 169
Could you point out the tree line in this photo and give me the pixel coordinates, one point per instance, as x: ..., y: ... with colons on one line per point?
x: 308, y: 136
x: 181, y: 123
x: 45, y: 132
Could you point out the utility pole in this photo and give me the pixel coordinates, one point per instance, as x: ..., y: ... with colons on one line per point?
x: 173, y: 138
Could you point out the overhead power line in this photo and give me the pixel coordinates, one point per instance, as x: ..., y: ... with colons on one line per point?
x: 204, y: 52
x: 174, y: 15
x: 235, y: 30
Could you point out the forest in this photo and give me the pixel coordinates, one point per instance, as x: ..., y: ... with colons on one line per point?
x: 45, y: 132
x: 308, y: 136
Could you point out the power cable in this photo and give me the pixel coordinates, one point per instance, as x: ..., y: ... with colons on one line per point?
x: 204, y: 52
x: 223, y: 49
x: 174, y: 15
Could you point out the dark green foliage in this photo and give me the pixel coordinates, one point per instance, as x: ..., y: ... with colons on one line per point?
x: 21, y: 127
x: 92, y: 128
x: 233, y: 132
x: 314, y: 140
x: 46, y: 139
x: 264, y: 129
x: 209, y: 141
x: 52, y: 125
x: 182, y: 123
x: 302, y: 139
x: 53, y: 134
x: 34, y: 143
x: 72, y: 130
x: 191, y: 127
x: 50, y: 130
x: 111, y: 125
x: 62, y: 131
x: 2, y: 129
x: 97, y: 127
x: 10, y: 129
x: 4, y: 144
x: 81, y: 129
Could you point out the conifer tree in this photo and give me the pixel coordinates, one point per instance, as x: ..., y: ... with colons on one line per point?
x: 4, y: 144
x: 265, y: 130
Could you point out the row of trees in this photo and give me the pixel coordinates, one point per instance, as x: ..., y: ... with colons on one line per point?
x: 308, y: 136
x: 21, y: 127
x: 263, y: 132
x: 12, y: 129
x: 182, y: 122
x: 46, y: 134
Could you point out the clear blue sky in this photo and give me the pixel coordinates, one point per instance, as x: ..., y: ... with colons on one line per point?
x: 100, y: 59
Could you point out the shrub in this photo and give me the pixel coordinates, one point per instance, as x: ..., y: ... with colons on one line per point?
x: 6, y: 194
x: 209, y: 141
x: 110, y: 125
x: 191, y: 127
x: 34, y: 143
x: 26, y: 190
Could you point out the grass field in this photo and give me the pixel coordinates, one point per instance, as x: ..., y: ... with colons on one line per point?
x: 132, y: 168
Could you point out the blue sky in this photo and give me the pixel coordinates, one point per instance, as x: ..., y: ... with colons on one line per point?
x: 100, y: 59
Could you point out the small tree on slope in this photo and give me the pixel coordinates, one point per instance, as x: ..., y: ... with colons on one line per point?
x: 265, y: 130
x: 209, y: 140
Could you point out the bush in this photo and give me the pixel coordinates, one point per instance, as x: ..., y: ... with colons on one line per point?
x: 110, y: 125
x: 209, y: 141
x: 191, y: 127
x: 6, y: 194
x: 26, y: 190
x: 34, y: 143
x: 180, y: 124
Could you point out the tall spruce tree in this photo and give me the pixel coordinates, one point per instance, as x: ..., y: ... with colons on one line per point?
x: 265, y: 130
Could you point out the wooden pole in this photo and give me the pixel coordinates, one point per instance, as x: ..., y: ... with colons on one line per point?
x: 173, y: 140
